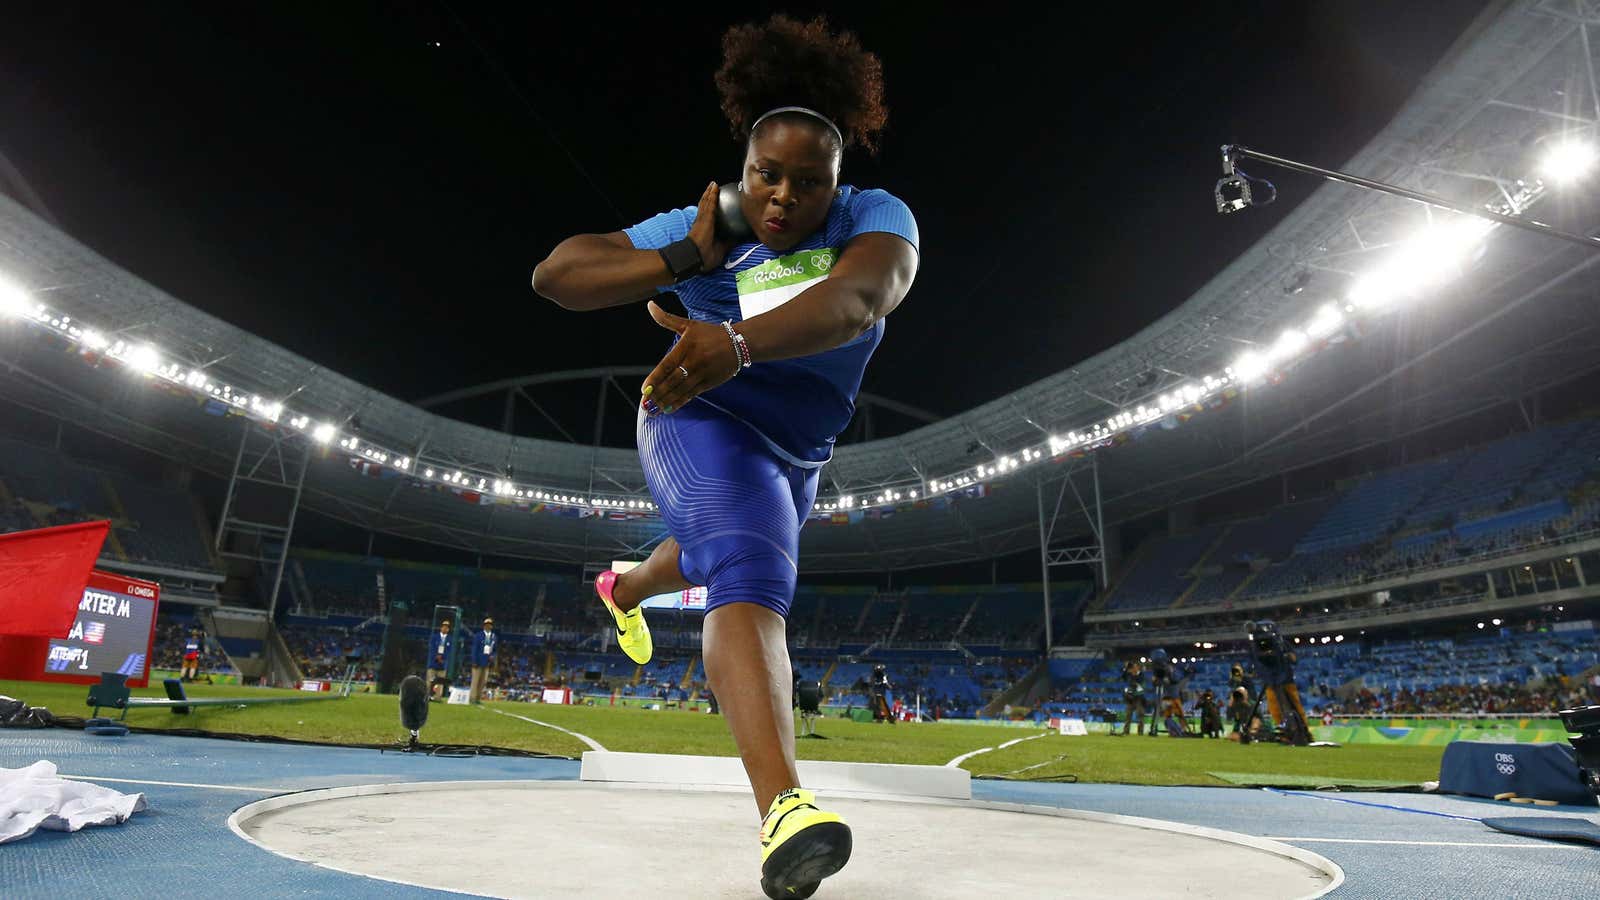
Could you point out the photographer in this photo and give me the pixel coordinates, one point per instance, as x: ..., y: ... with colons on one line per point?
x: 1132, y: 696
x: 1210, y: 714
x: 1239, y: 706
x: 1241, y: 695
x: 878, y: 687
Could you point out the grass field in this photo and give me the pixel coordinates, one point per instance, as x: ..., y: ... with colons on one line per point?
x: 370, y: 719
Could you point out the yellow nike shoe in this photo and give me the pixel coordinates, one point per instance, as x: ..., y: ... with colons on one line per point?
x: 800, y: 845
x: 633, y: 635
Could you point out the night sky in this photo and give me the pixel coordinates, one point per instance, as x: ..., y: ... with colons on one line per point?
x: 371, y: 185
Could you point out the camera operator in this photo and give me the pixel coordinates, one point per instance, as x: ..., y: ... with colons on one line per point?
x: 879, y: 687
x: 1132, y: 695
x: 1275, y: 665
x: 1166, y: 706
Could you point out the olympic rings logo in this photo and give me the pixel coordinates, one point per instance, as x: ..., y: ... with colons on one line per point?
x: 1506, y: 768
x: 822, y: 261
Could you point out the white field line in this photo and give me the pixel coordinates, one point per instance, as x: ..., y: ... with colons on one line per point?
x: 212, y: 787
x: 1542, y: 845
x: 593, y: 744
x: 956, y: 763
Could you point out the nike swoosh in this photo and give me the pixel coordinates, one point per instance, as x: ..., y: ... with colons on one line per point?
x: 620, y: 632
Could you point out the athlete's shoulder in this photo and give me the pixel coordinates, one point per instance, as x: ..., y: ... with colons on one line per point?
x: 856, y: 200
x: 875, y: 209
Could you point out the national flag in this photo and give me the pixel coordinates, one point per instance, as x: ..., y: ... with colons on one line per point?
x: 42, y: 576
x: 95, y: 632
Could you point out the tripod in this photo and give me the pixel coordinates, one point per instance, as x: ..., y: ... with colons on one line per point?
x: 1293, y: 728
x: 1160, y: 708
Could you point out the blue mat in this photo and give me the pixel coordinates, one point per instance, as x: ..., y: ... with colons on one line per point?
x: 1564, y: 829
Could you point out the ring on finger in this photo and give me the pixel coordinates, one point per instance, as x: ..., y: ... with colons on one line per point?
x: 684, y: 371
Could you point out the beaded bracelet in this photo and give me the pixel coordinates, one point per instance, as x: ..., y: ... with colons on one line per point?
x: 740, y: 348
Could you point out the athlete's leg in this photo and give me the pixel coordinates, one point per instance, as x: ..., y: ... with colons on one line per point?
x: 660, y: 574
x: 747, y: 666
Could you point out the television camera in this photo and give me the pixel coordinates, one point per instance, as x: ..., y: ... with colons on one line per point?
x: 1274, y: 666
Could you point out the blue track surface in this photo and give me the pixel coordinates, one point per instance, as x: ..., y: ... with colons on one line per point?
x: 182, y: 845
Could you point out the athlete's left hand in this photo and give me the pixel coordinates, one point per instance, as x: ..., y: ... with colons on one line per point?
x: 704, y: 350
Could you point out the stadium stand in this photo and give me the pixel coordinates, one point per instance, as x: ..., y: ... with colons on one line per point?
x: 162, y: 525
x: 1518, y: 491
x: 150, y: 523
x: 1163, y: 570
x: 1534, y: 670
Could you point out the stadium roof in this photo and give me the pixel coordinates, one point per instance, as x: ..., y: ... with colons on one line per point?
x: 1517, y: 316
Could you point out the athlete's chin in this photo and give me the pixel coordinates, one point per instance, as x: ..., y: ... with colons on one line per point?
x: 784, y: 240
x: 781, y: 242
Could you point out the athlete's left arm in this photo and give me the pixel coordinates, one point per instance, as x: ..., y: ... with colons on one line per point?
x: 873, y: 274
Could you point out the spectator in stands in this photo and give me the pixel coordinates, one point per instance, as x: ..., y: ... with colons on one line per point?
x: 483, y: 656
x: 438, y: 659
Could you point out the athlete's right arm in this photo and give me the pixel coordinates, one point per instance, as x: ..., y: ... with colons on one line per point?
x: 594, y: 271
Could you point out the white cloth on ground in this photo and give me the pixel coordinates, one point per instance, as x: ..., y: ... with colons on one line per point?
x: 35, y: 797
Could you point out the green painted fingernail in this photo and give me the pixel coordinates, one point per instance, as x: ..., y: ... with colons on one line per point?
x: 667, y: 409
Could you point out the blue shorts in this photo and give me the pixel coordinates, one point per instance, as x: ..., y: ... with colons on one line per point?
x: 733, y: 505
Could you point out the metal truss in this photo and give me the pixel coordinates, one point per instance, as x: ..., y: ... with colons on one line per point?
x: 262, y: 501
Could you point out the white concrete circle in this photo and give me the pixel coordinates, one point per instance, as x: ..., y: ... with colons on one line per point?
x: 553, y: 839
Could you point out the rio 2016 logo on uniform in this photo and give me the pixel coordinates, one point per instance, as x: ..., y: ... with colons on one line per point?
x: 1505, y: 763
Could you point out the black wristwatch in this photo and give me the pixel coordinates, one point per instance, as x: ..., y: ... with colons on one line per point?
x: 682, y: 259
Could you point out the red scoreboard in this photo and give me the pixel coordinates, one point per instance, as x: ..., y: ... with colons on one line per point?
x: 114, y: 631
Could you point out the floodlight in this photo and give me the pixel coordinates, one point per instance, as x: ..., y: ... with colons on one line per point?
x: 1567, y: 161
x: 1438, y: 253
x: 1289, y: 343
x: 144, y: 358
x: 1325, y: 322
x: 1249, y: 366
x: 13, y: 300
x: 323, y: 433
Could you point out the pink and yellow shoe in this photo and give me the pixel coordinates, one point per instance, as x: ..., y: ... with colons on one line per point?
x: 633, y: 635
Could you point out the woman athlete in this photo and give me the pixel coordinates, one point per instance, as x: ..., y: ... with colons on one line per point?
x: 740, y: 415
